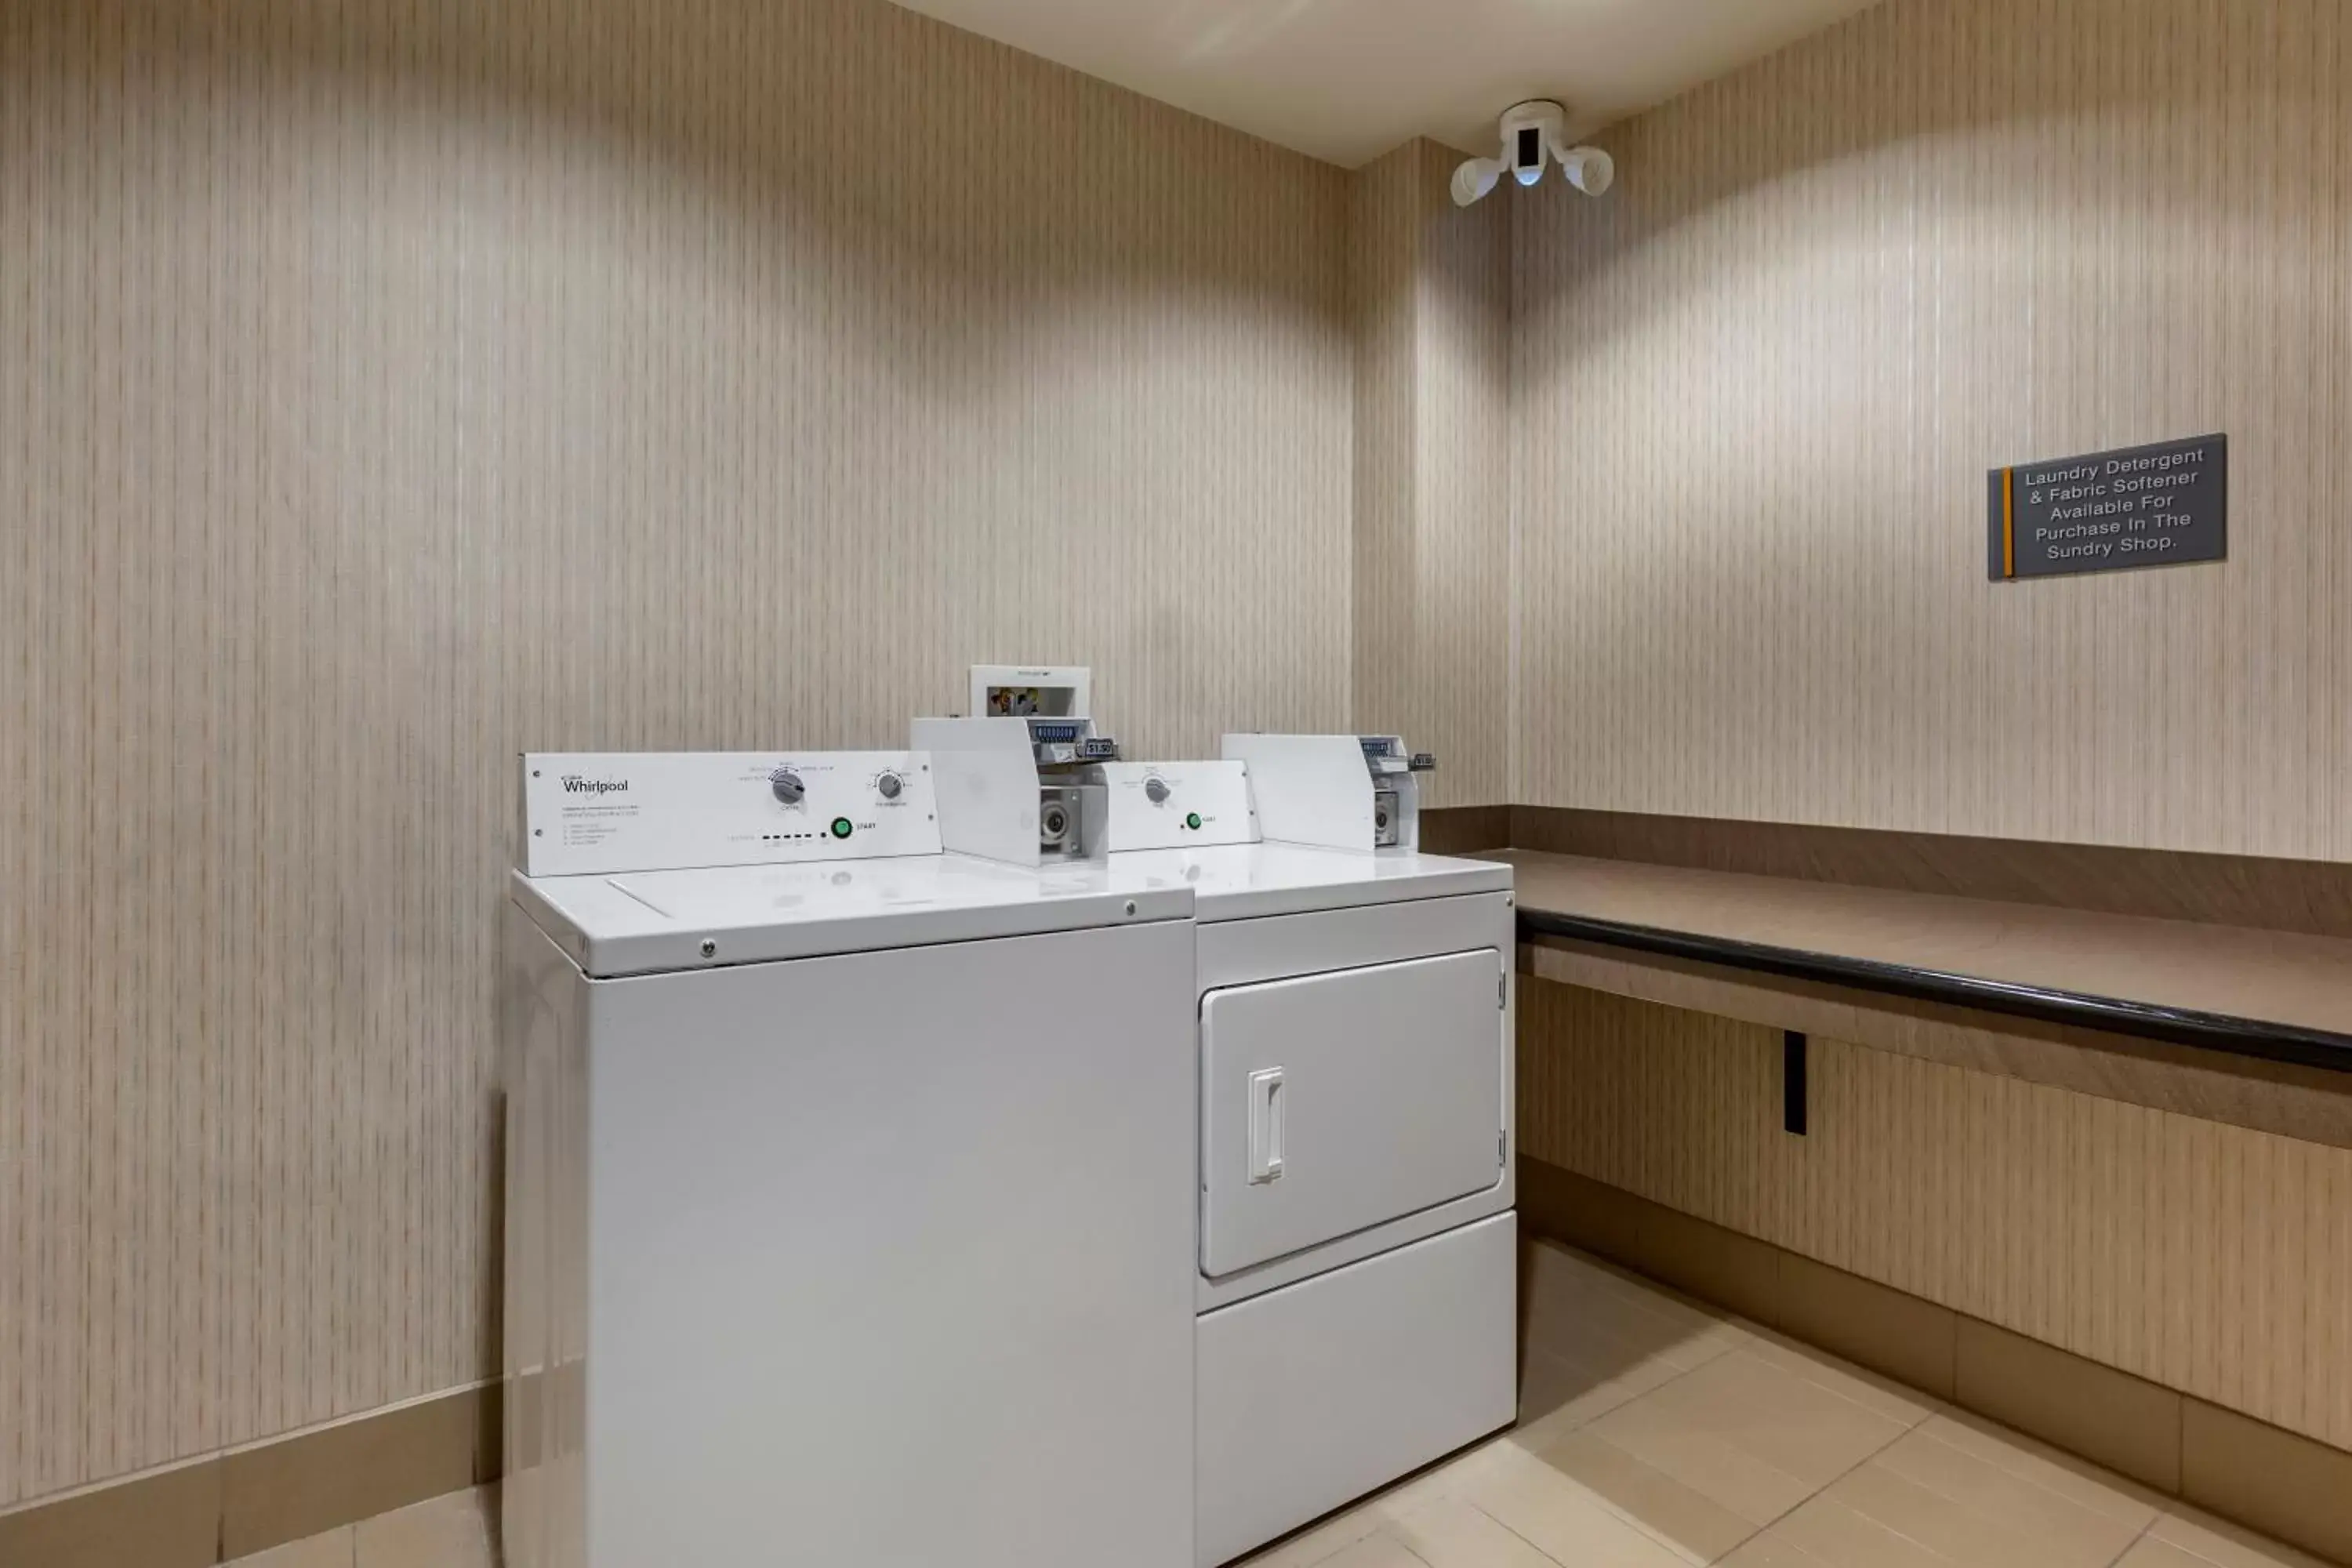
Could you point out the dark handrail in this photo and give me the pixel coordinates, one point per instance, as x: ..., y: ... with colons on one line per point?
x: 2145, y: 1020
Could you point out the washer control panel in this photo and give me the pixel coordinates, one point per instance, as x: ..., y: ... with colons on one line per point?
x: 592, y: 812
x: 1179, y: 805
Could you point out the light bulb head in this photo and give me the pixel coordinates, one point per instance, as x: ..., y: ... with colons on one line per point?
x: 1589, y: 169
x: 1474, y: 179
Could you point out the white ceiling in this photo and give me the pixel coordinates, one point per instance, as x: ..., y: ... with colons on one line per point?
x: 1348, y: 79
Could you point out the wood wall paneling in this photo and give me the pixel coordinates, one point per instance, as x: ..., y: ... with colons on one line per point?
x: 387, y: 388
x: 2312, y: 1105
x: 1758, y: 388
x: 2214, y: 1259
x: 1465, y: 829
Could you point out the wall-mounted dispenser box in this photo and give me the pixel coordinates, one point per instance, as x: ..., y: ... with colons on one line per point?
x: 1340, y: 792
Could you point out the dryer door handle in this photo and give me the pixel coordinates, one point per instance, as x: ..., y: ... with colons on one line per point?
x: 1267, y: 1108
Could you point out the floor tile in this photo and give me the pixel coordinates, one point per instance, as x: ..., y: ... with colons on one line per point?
x: 2224, y: 1544
x: 1683, y: 1519
x: 1564, y: 1522
x: 1840, y: 1377
x: 1558, y: 1393
x: 1766, y: 1551
x: 2059, y: 1527
x: 1382, y: 1551
x: 456, y: 1530
x: 1597, y: 1338
x: 2150, y: 1552
x: 1841, y: 1538
x: 2078, y: 1480
x: 335, y: 1549
x: 1319, y: 1543
x: 1626, y: 1341
x: 1577, y: 1305
x: 1455, y: 1477
x: 1751, y: 1436
x: 1800, y: 1414
x: 1451, y: 1533
x: 1965, y: 1535
x: 1706, y: 1461
x: 1567, y: 1287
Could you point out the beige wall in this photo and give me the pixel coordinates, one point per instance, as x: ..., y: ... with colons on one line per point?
x: 1431, y: 287
x: 1758, y: 387
x: 389, y: 386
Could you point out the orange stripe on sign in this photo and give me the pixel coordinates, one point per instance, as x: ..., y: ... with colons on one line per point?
x: 2009, y: 522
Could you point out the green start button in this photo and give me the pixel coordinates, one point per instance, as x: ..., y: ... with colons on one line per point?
x: 841, y: 827
x: 1192, y: 820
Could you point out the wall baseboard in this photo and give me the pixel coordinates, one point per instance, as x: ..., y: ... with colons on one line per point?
x: 2285, y: 1484
x: 231, y: 1504
x: 1464, y: 829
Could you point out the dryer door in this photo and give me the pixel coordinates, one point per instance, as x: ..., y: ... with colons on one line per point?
x: 1337, y: 1102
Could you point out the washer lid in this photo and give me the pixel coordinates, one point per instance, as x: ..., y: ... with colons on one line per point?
x: 1249, y: 881
x: 650, y: 922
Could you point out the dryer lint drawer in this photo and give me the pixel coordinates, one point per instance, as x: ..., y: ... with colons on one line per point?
x: 1336, y: 1101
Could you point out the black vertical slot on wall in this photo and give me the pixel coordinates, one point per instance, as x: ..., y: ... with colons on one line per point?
x: 1793, y: 1082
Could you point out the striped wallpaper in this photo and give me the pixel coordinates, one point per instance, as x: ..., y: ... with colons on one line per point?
x: 388, y: 386
x: 1759, y: 389
x: 1430, y: 284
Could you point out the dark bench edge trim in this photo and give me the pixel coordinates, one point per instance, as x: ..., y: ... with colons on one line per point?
x: 2144, y: 1020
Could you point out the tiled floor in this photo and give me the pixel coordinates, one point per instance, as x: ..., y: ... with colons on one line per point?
x: 1656, y: 1433
x: 455, y: 1532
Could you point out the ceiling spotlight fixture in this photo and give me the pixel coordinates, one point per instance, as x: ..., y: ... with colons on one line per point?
x: 1533, y: 131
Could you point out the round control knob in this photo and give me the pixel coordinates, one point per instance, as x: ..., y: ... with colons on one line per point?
x: 1155, y: 790
x: 889, y: 786
x: 787, y: 786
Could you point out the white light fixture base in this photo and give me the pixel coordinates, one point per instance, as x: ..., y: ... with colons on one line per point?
x: 1533, y: 132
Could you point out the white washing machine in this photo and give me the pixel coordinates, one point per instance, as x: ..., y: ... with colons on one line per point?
x: 850, y: 1200
x: 1358, y: 1251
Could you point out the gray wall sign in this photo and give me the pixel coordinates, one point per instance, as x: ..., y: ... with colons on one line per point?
x: 2110, y: 511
